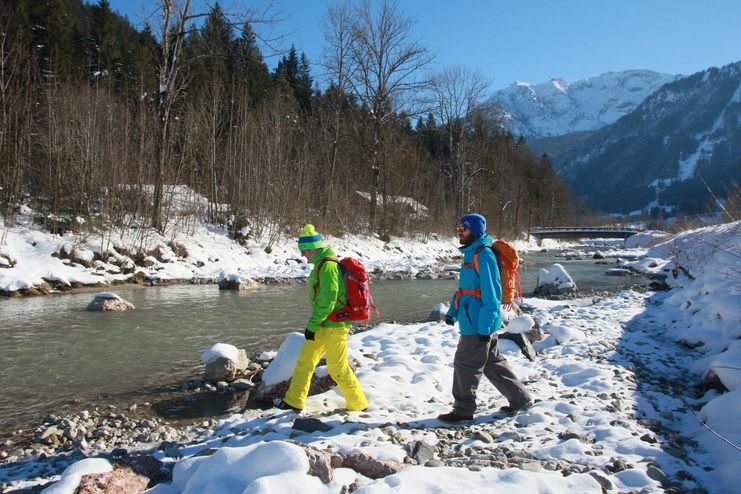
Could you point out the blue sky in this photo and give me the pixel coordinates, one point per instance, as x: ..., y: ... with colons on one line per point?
x: 536, y: 40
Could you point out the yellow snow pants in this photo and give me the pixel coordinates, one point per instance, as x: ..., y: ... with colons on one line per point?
x: 333, y: 342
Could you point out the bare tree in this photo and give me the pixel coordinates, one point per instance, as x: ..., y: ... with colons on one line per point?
x: 389, y: 62
x: 177, y: 18
x: 339, y: 68
x: 173, y: 29
x: 455, y: 98
x: 17, y: 78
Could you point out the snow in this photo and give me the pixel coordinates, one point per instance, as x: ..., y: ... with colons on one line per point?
x: 645, y: 239
x: 258, y: 468
x: 220, y: 350
x: 727, y: 366
x: 600, y: 377
x: 559, y: 107
x: 520, y: 324
x: 511, y: 481
x: 281, y: 368
x: 209, y: 254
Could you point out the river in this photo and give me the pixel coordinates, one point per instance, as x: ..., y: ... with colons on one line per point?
x: 57, y: 357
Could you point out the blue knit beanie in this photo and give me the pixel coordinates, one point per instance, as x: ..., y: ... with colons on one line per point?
x: 475, y: 223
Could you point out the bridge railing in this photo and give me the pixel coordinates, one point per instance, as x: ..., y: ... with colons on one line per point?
x: 584, y: 229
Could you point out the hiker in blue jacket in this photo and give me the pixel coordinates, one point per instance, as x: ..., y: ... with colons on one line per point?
x: 476, y: 307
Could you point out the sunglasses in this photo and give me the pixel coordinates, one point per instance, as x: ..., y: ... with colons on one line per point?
x: 461, y: 229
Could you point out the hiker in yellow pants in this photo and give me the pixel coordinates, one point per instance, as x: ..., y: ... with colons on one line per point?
x: 326, y: 293
x: 334, y: 343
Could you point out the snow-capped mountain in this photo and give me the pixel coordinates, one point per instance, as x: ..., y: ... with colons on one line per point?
x: 659, y: 155
x: 558, y: 107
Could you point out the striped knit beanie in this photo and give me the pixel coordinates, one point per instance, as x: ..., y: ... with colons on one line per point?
x: 309, y: 239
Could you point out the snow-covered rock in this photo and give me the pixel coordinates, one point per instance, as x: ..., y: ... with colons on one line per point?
x: 224, y: 362
x: 235, y: 281
x: 276, y: 378
x: 555, y: 281
x: 72, y: 475
x: 438, y: 313
x: 108, y: 301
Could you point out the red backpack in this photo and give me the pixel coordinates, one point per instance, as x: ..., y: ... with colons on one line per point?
x: 357, y: 290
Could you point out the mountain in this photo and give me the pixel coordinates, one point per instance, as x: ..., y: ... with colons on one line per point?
x: 658, y: 155
x: 558, y: 107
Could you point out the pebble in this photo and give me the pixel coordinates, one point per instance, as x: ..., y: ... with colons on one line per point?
x: 531, y: 466
x: 657, y: 474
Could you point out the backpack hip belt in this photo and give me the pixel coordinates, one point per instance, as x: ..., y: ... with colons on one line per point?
x: 476, y: 293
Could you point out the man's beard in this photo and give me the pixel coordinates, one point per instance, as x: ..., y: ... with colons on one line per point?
x: 466, y: 241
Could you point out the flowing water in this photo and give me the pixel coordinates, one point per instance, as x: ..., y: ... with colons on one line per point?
x: 57, y: 357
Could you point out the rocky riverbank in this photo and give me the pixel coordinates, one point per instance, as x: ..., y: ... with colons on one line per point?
x: 565, y: 408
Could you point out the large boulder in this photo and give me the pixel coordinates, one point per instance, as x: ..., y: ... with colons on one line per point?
x: 122, y: 480
x: 277, y: 377
x: 527, y: 326
x: 107, y: 301
x: 224, y: 362
x: 555, y: 282
x: 525, y: 347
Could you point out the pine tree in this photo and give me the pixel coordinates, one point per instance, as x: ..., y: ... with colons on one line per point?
x: 297, y: 73
x: 250, y: 68
x: 303, y: 85
x: 104, y: 47
x: 218, y: 40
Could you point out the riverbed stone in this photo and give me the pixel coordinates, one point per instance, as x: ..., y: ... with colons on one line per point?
x: 372, y: 467
x: 235, y: 282
x: 310, y: 424
x: 618, y: 272
x: 436, y: 316
x: 242, y: 384
x: 107, y: 301
x: 554, y: 282
x: 122, y: 480
x: 420, y: 451
x: 654, y: 472
x: 602, y: 480
x: 224, y: 369
x: 523, y: 342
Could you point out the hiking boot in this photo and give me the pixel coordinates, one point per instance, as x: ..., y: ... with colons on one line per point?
x: 279, y: 403
x: 509, y: 409
x: 454, y: 418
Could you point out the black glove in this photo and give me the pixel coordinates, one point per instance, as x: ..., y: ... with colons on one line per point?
x: 484, y: 338
x: 449, y: 321
x: 308, y: 334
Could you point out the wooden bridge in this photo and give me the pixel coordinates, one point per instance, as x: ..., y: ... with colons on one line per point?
x: 583, y: 232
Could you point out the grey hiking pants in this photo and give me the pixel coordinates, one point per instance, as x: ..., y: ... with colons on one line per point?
x: 473, y: 358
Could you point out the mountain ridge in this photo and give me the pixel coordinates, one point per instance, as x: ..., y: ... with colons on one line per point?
x: 558, y: 107
x: 666, y: 153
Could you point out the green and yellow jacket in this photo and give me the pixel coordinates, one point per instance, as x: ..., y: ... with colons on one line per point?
x: 328, y: 294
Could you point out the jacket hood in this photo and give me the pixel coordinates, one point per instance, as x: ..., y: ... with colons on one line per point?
x: 324, y: 252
